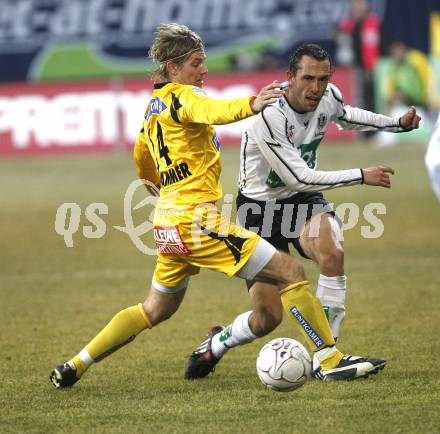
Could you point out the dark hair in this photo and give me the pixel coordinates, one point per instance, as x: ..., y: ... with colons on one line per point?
x: 311, y: 50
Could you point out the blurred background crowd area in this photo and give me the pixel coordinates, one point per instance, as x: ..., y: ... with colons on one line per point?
x: 74, y: 73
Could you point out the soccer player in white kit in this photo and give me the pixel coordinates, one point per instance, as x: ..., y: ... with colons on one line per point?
x: 278, y: 162
x: 279, y: 184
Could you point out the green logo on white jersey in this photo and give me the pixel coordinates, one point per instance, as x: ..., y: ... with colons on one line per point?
x: 308, y: 154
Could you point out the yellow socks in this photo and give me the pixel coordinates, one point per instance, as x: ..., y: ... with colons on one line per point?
x: 121, y: 330
x: 305, y: 310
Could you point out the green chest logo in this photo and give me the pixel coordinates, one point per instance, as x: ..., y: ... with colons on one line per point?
x: 308, y: 154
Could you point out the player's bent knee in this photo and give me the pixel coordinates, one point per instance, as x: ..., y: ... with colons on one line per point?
x: 160, y: 306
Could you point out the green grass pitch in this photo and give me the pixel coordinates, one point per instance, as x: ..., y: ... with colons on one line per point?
x: 54, y: 299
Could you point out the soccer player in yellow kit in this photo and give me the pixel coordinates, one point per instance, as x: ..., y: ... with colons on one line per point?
x: 177, y: 150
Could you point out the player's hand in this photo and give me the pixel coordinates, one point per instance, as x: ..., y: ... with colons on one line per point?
x: 268, y: 95
x: 410, y: 120
x: 378, y: 176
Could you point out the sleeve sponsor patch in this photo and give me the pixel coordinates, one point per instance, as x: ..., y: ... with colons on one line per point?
x: 156, y: 107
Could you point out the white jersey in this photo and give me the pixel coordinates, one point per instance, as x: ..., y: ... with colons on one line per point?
x: 279, y: 149
x: 432, y: 158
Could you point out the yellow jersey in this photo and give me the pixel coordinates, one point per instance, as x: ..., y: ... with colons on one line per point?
x: 177, y: 147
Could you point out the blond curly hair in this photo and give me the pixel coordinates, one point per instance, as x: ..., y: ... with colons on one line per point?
x: 172, y: 42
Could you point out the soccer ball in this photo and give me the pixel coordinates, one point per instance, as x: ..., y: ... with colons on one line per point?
x: 283, y: 365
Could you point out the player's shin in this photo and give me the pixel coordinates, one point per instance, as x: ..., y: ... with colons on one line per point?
x: 331, y: 293
x: 121, y: 330
x: 305, y: 310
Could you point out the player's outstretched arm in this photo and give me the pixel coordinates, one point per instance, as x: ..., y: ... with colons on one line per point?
x: 410, y: 120
x: 196, y: 107
x: 378, y: 176
x: 267, y: 95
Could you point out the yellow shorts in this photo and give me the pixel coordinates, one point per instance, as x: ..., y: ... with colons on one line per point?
x: 199, y: 238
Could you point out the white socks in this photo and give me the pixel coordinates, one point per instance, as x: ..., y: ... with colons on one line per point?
x: 237, y: 333
x: 331, y: 293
